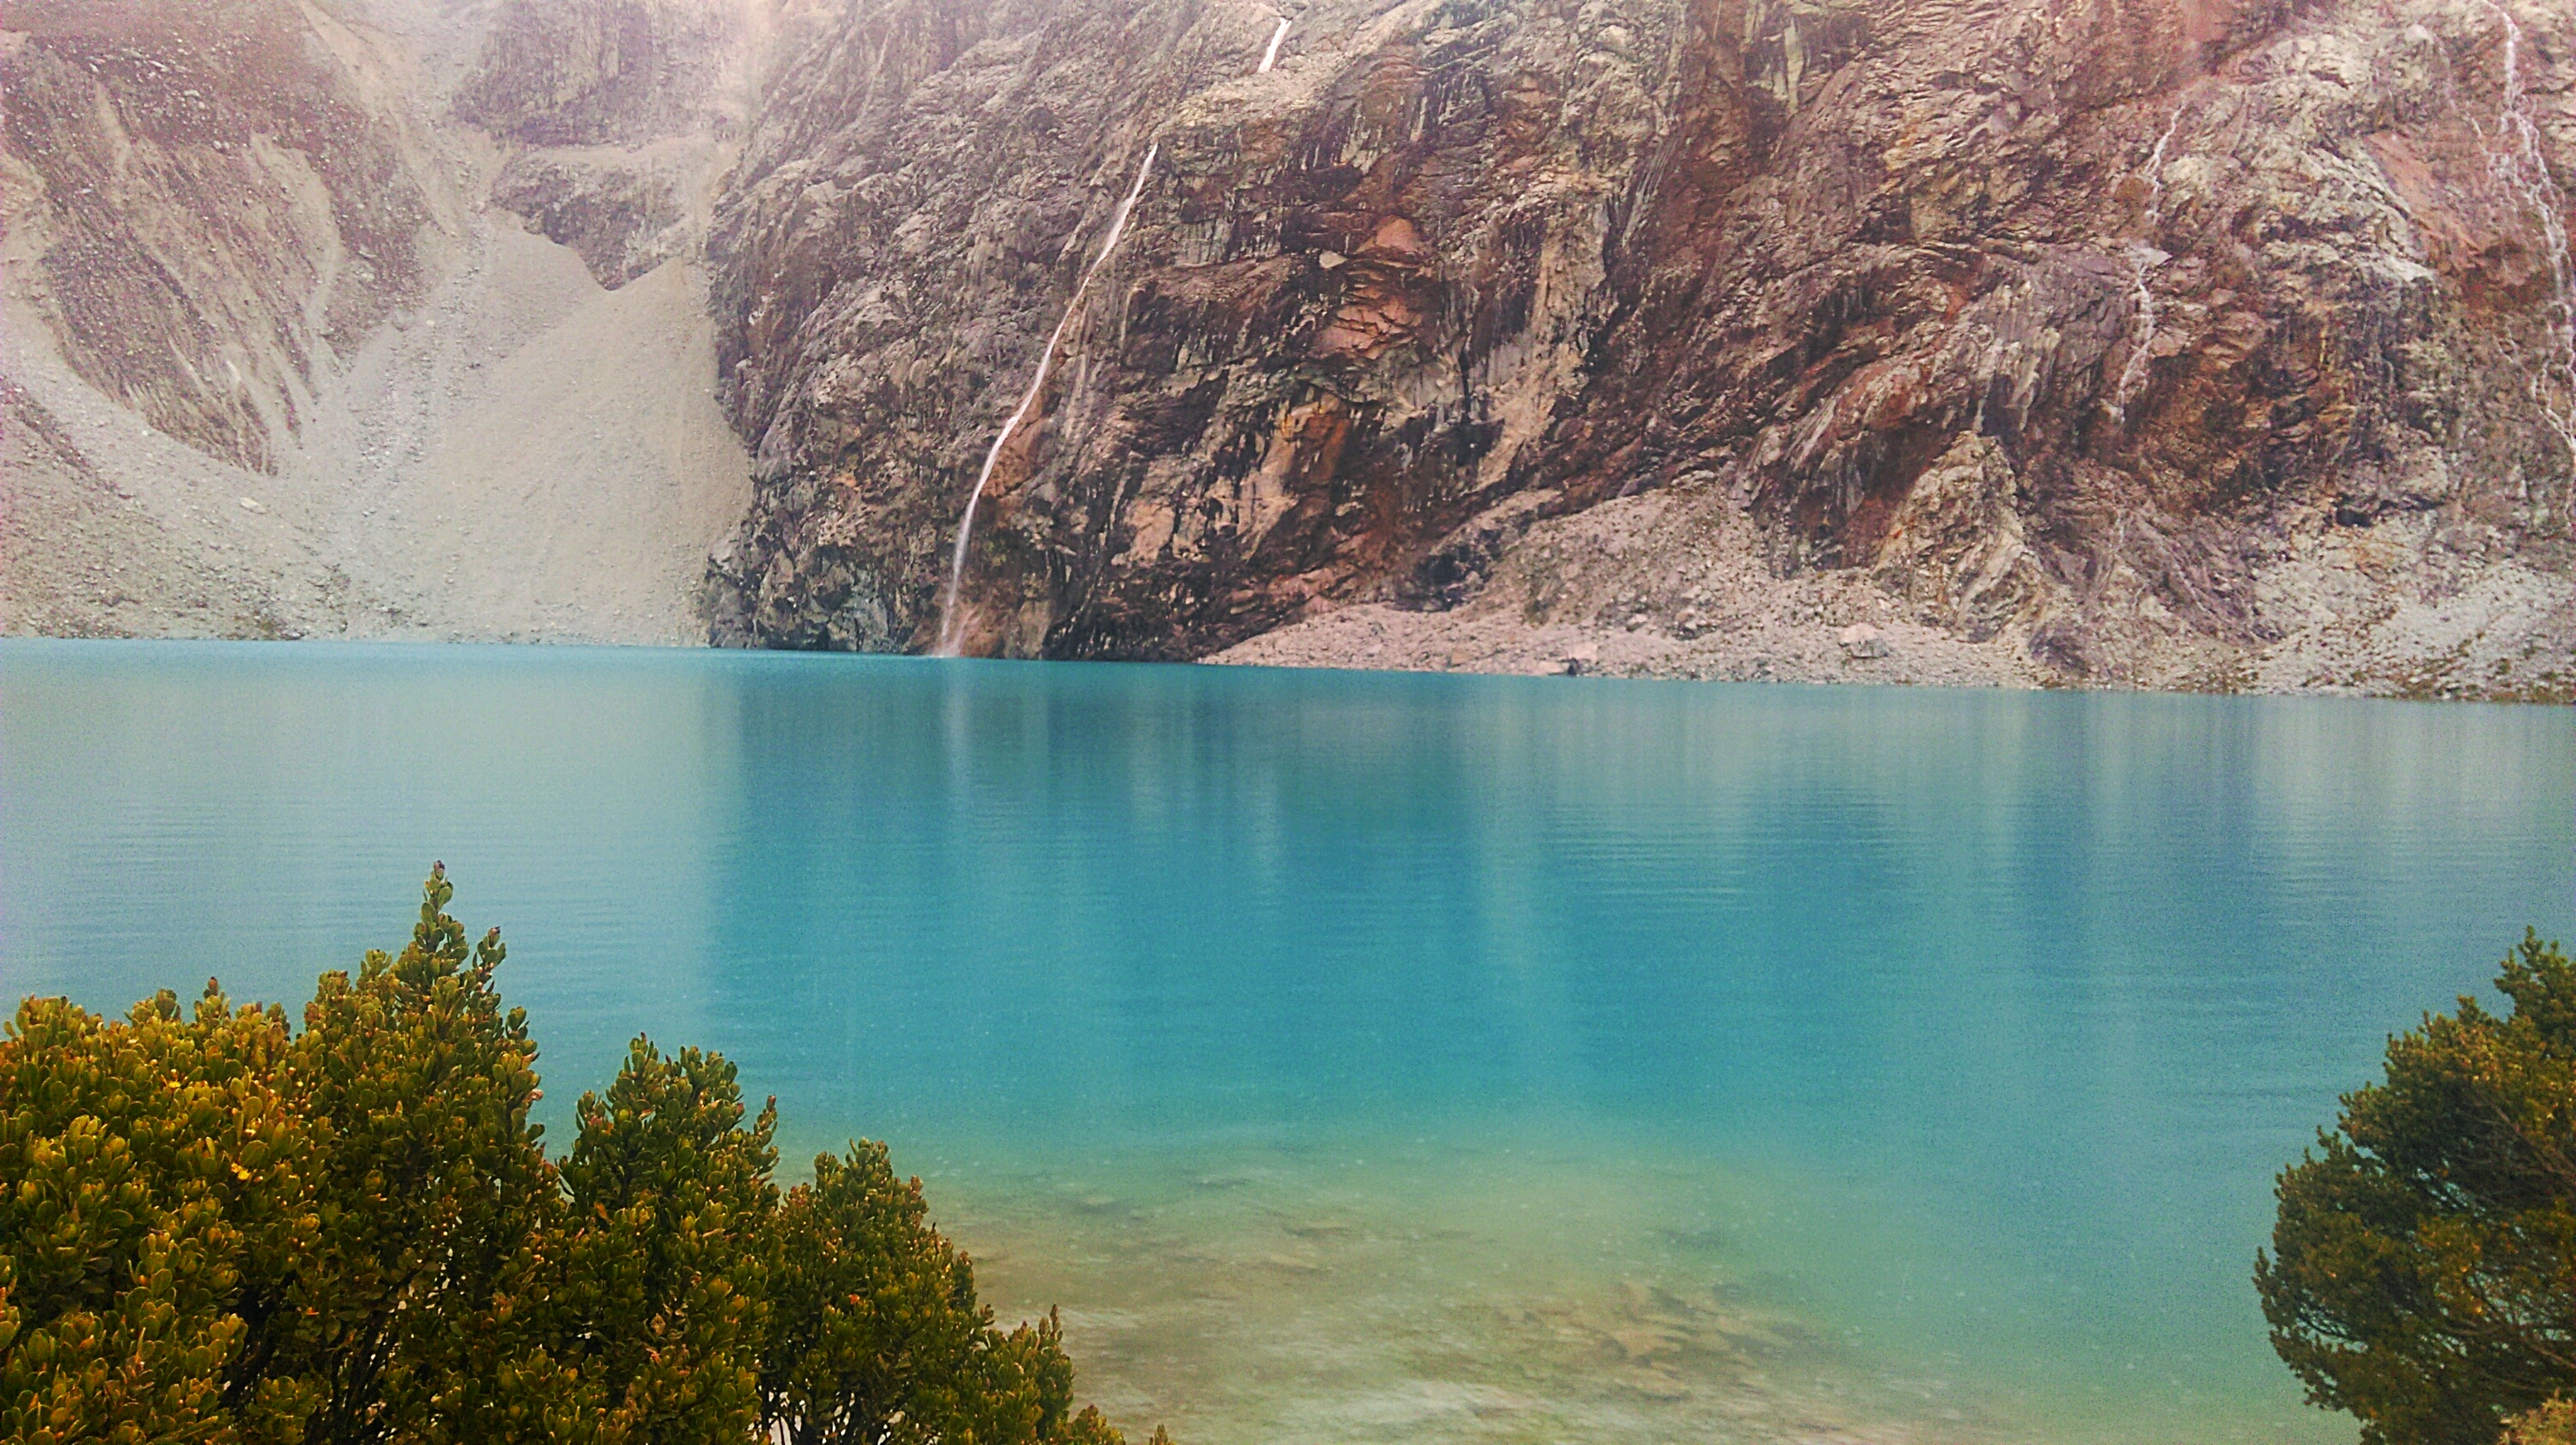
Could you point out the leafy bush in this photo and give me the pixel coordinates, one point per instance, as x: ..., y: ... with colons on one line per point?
x: 214, y: 1228
x: 2423, y: 1265
x: 876, y: 1336
x: 2551, y: 1424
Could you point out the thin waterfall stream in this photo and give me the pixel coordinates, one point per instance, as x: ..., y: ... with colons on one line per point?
x: 2520, y: 167
x: 2144, y: 258
x: 952, y: 625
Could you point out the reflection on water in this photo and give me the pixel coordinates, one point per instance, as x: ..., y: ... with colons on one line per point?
x: 1370, y: 1057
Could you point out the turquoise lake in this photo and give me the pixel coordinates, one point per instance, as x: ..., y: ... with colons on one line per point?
x: 1376, y: 1057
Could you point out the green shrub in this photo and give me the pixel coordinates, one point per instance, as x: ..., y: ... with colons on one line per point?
x: 152, y: 1187
x: 876, y: 1336
x: 2423, y: 1266
x: 661, y: 1282
x: 2551, y: 1424
x: 218, y: 1230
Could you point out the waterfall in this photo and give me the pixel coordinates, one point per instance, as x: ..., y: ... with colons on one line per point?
x: 2521, y: 169
x: 2144, y: 257
x: 951, y: 626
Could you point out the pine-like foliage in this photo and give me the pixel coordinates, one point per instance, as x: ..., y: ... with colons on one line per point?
x: 2423, y: 1265
x: 2551, y: 1424
x: 661, y: 1281
x: 153, y: 1199
x: 430, y: 1188
x: 215, y: 1229
x: 876, y: 1338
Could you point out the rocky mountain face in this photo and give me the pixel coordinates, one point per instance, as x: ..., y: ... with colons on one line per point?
x: 602, y: 72
x: 2178, y: 342
x: 2215, y: 344
x: 622, y: 112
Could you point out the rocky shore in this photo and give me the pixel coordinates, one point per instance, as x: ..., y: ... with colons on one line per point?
x: 1669, y: 585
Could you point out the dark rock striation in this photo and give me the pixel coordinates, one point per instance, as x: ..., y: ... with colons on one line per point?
x: 601, y: 72
x: 621, y: 213
x: 2085, y: 327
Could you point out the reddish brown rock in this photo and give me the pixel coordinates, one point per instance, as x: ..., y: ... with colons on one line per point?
x: 1454, y: 269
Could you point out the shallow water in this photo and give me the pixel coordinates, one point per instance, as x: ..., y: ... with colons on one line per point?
x: 1369, y: 1057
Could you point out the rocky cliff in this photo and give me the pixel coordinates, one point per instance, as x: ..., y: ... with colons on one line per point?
x: 622, y: 113
x: 2188, y: 343
x: 2174, y: 342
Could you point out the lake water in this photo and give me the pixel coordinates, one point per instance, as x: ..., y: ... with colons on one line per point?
x: 1375, y: 1057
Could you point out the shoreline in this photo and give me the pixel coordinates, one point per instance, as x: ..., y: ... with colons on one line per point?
x: 1373, y: 638
x: 1679, y: 584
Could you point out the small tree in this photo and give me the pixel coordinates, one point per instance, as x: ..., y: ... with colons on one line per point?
x: 2423, y: 1265
x: 216, y: 1231
x: 155, y: 1183
x: 430, y: 1185
x: 661, y: 1277
x: 875, y: 1334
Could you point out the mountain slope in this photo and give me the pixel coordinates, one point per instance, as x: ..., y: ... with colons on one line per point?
x: 2169, y: 343
x: 2218, y: 344
x: 279, y: 365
